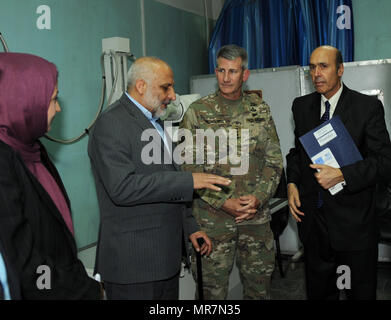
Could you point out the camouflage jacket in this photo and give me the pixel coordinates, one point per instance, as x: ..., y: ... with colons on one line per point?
x: 249, y: 154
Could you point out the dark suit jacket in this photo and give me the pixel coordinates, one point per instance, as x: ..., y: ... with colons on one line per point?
x: 350, y: 215
x: 34, y: 233
x: 143, y: 206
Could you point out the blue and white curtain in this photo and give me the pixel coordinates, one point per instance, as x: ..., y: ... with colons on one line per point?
x: 280, y: 33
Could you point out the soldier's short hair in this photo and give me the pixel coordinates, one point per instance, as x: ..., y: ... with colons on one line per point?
x: 232, y: 52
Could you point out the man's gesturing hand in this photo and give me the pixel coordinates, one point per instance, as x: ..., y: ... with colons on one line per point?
x: 208, y: 181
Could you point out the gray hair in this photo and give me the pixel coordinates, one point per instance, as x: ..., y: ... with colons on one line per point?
x: 232, y: 52
x: 143, y: 68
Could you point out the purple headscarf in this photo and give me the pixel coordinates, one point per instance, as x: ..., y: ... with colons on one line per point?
x: 27, y: 83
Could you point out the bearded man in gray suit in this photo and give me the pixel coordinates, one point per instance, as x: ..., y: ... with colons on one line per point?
x: 145, y: 208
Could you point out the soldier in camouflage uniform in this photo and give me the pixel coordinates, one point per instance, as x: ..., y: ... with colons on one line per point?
x: 237, y: 218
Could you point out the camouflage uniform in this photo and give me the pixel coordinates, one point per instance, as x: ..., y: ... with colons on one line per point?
x: 252, y: 240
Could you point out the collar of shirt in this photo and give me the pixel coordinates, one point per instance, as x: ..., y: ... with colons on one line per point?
x: 148, y: 115
x: 333, y: 102
x: 145, y: 111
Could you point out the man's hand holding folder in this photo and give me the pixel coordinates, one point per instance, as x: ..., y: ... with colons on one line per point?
x: 327, y: 176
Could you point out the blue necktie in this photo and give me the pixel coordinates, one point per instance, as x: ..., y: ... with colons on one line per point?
x: 325, y: 117
x: 326, y: 114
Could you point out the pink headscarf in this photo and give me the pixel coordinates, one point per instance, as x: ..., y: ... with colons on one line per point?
x: 27, y: 83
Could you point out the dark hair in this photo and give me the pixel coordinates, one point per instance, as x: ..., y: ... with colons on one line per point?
x: 338, y: 58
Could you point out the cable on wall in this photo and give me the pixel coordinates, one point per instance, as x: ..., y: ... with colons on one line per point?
x: 102, y: 96
x: 4, y: 43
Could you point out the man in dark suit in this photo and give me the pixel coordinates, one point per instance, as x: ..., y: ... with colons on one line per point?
x: 338, y: 232
x: 145, y: 204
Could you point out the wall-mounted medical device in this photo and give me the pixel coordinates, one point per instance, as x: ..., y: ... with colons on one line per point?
x: 113, y: 61
x: 175, y: 112
x: 116, y: 52
x: 177, y: 108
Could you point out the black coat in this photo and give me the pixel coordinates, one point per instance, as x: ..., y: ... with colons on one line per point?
x: 350, y: 214
x: 34, y: 233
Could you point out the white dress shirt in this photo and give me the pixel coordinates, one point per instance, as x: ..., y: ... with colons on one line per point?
x: 333, y: 102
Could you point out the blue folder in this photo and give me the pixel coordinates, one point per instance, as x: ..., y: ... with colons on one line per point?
x: 331, y: 134
x: 331, y: 144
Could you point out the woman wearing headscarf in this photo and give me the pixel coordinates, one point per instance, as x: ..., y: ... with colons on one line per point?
x: 35, y: 218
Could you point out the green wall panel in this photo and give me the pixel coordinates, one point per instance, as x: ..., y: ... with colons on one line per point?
x: 177, y: 37
x: 372, y: 29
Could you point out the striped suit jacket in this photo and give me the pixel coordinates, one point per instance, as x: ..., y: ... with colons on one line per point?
x: 145, y: 210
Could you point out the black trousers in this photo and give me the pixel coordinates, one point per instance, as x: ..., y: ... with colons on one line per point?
x: 167, y: 289
x: 358, y: 269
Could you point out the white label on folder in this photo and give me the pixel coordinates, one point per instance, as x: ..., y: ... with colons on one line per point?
x: 325, y: 134
x: 326, y: 157
x: 322, y: 131
x: 326, y: 138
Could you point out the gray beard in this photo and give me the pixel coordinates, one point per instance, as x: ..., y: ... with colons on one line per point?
x: 156, y: 105
x: 159, y: 112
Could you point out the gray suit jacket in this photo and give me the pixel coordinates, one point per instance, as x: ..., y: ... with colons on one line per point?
x: 145, y: 209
